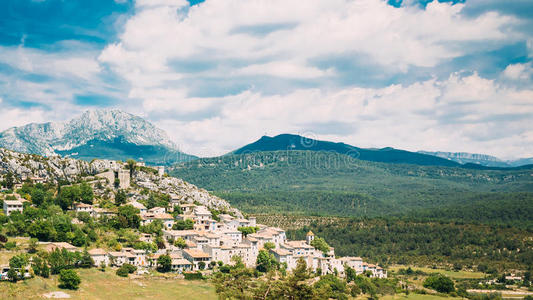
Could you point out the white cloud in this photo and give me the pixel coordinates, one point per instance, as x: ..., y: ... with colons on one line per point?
x: 519, y: 71
x: 12, y: 117
x: 267, y: 36
x: 156, y: 3
x: 168, y: 51
x: 79, y: 64
x: 426, y: 115
x: 254, y: 40
x: 284, y: 69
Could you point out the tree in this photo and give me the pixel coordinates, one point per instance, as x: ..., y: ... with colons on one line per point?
x: 61, y: 259
x: 331, y: 287
x: 12, y: 275
x: 212, y: 264
x: 120, y: 197
x: 248, y: 230
x: 17, y: 264
x: 439, y: 283
x: 122, y: 272
x: 9, y: 181
x: 482, y: 267
x: 297, y: 288
x: 131, y: 165
x: 86, y: 260
x: 69, y: 279
x: 37, y: 265
x: 269, y: 245
x: 45, y: 270
x: 37, y: 196
x: 43, y: 230
x: 320, y: 244
x: 86, y: 193
x: 201, y: 265
x: 126, y: 269
x: 366, y: 285
x: 164, y: 264
x: 235, y: 283
x: 127, y: 216
x: 350, y: 274
x: 457, y: 266
x: 67, y: 196
x: 180, y: 243
x: 79, y: 239
x: 183, y: 225
x: 265, y: 261
x: 32, y: 247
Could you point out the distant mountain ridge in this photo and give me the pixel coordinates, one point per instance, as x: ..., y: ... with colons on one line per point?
x: 480, y: 159
x: 105, y: 134
x: 387, y: 155
x: 285, y: 142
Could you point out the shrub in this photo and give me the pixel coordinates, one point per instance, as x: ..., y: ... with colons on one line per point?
x: 130, y: 268
x: 45, y: 270
x: 126, y: 269
x: 225, y: 269
x: 12, y: 275
x: 10, y: 245
x: 69, y: 279
x: 164, y: 263
x: 122, y: 272
x: 439, y: 283
x: 193, y: 276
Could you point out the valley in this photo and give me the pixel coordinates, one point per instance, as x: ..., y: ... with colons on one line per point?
x: 331, y: 184
x: 316, y: 219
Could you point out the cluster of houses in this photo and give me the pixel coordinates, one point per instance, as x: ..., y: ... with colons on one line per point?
x: 219, y: 240
x: 213, y: 239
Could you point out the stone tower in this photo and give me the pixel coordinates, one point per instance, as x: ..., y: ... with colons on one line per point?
x: 309, y: 237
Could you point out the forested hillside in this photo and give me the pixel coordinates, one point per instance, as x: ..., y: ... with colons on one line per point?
x: 325, y: 183
x: 424, y: 243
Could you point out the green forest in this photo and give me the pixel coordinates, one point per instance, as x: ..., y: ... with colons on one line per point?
x: 395, y: 241
x: 332, y: 184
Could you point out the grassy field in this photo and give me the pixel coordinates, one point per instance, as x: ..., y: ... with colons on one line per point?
x: 415, y: 297
x: 99, y: 285
x: 5, y: 255
x: 452, y: 274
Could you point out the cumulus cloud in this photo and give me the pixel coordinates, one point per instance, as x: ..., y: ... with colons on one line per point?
x: 254, y: 65
x: 519, y: 71
x: 80, y: 65
x: 284, y: 69
x: 461, y: 113
x: 223, y: 31
x: 12, y: 117
x: 222, y: 73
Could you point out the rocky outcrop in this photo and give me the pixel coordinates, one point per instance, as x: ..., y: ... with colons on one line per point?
x: 53, y: 169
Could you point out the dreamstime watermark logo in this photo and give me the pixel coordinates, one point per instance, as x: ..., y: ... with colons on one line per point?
x: 308, y: 139
x: 305, y: 153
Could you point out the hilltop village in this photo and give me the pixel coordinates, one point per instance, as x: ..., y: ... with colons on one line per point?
x: 194, y: 228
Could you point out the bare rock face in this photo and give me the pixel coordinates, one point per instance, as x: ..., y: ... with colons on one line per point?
x: 50, y: 168
x: 55, y: 168
x: 186, y: 191
x: 47, y: 138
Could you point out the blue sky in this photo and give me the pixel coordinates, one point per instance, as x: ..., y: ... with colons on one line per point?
x: 416, y: 75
